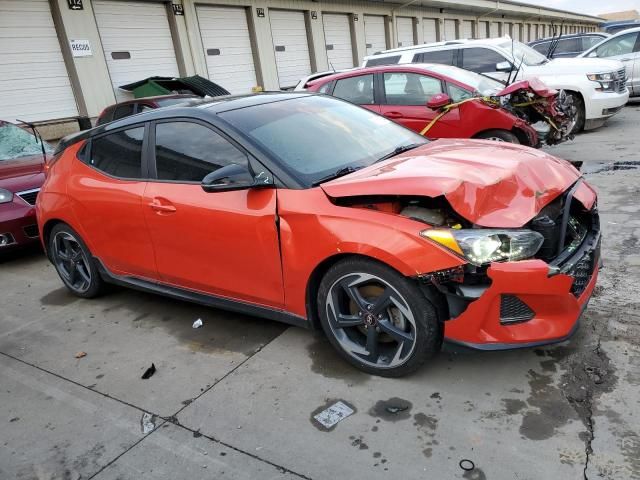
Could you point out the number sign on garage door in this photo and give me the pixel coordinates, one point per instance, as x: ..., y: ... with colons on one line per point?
x: 337, y: 37
x: 405, y: 31
x: 430, y: 30
x: 34, y: 84
x: 375, y: 33
x: 227, y: 47
x: 137, y: 41
x: 291, y: 46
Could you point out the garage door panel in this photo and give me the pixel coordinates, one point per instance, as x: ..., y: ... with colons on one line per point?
x: 142, y: 29
x: 405, y: 31
x: 288, y: 30
x: 429, y: 30
x: 34, y: 82
x: 450, y: 29
x: 467, y: 29
x: 337, y: 34
x: 227, y: 46
x: 375, y: 34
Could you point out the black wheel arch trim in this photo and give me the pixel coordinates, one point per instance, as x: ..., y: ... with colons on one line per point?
x: 200, y: 298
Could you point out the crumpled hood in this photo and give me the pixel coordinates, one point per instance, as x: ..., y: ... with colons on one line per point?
x: 488, y: 183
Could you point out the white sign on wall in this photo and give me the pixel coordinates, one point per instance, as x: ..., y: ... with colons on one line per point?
x: 81, y: 48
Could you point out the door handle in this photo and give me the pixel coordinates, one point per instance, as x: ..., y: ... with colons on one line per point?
x: 393, y: 115
x: 626, y: 59
x: 160, y: 208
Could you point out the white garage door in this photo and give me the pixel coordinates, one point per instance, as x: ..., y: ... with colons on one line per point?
x: 291, y: 46
x: 374, y: 33
x: 227, y: 47
x: 34, y: 84
x: 483, y: 27
x: 516, y: 31
x: 337, y: 37
x: 450, y: 30
x: 405, y: 31
x: 495, y: 30
x: 137, y: 41
x: 467, y: 29
x: 430, y: 30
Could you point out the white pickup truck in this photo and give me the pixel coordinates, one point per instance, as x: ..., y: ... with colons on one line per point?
x: 598, y: 86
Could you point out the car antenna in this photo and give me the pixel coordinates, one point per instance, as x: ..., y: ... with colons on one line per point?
x: 555, y: 42
x: 513, y: 55
x: 332, y: 67
x: 36, y: 134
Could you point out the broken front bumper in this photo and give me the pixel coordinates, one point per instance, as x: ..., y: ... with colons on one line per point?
x: 530, y: 302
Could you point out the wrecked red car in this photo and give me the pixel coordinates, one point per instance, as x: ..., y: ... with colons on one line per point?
x: 312, y: 211
x: 442, y: 101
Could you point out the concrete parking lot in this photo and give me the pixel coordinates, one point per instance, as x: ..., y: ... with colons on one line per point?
x: 235, y: 399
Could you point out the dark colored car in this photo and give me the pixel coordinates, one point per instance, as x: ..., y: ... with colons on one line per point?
x: 313, y: 211
x: 21, y: 176
x: 567, y: 45
x: 139, y: 105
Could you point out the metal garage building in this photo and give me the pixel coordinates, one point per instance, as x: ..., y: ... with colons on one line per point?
x: 74, y: 54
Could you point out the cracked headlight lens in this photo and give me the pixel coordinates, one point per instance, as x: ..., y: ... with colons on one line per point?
x: 5, y: 196
x: 483, y: 246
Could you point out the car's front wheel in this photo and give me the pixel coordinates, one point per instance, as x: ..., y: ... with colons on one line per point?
x: 377, y: 319
x: 73, y: 262
x: 498, y: 136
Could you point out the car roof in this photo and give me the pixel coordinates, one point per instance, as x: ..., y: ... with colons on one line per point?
x: 625, y: 31
x: 570, y: 35
x: 155, y: 98
x: 462, y: 41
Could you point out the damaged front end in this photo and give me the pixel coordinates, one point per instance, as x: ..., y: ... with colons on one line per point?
x: 550, y: 112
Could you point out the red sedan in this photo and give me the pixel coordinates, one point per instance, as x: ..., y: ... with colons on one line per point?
x: 402, y: 93
x: 21, y: 176
x: 312, y: 211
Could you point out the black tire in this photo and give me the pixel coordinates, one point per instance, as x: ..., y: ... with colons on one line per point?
x: 498, y: 136
x: 386, y: 309
x: 76, y: 268
x: 580, y: 112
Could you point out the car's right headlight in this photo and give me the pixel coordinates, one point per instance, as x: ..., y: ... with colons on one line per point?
x: 606, y: 80
x: 485, y: 245
x: 5, y: 195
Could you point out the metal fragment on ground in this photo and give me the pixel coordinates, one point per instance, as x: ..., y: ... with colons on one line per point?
x: 147, y: 423
x: 334, y: 414
x: 197, y: 323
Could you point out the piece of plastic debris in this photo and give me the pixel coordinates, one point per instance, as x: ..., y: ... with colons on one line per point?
x: 334, y: 414
x: 81, y: 354
x: 150, y: 371
x: 393, y: 410
x: 467, y: 465
x: 197, y: 323
x: 147, y: 423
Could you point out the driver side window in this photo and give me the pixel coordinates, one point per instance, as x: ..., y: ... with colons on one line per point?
x: 622, y: 45
x: 187, y: 152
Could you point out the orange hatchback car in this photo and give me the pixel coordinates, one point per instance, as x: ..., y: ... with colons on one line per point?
x: 307, y: 209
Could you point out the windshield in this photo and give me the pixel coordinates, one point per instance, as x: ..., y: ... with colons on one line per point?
x: 16, y: 142
x: 519, y: 51
x: 316, y: 136
x: 480, y: 83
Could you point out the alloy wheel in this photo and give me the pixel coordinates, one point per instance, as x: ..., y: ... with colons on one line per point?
x: 71, y: 262
x: 371, y: 321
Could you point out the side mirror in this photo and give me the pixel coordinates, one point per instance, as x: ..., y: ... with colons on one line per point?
x: 438, y: 101
x: 234, y: 177
x: 504, y: 67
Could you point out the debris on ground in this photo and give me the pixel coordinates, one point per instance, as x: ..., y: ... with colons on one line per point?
x: 467, y: 465
x: 80, y: 354
x: 393, y: 410
x: 197, y: 323
x: 149, y: 372
x: 147, y: 422
x: 334, y: 414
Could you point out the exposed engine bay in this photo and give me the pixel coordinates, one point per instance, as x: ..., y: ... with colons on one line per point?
x: 551, y: 113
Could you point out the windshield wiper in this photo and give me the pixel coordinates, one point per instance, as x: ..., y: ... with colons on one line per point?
x: 337, y: 174
x: 399, y: 150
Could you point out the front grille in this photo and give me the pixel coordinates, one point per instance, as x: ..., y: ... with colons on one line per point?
x: 31, y: 231
x: 513, y: 310
x: 29, y: 196
x: 621, y: 82
x: 583, y: 270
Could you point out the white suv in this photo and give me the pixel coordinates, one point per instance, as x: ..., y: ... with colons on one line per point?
x: 597, y: 86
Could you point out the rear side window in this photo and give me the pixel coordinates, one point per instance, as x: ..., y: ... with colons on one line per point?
x: 480, y: 60
x: 358, y: 90
x: 125, y: 110
x: 542, y: 48
x: 188, y: 152
x: 446, y: 57
x: 119, y: 154
x: 372, y: 62
x: 568, y: 45
x: 590, y: 41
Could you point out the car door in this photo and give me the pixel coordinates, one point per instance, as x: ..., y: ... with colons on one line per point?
x: 405, y: 101
x: 108, y: 185
x: 219, y: 243
x: 357, y: 89
x: 625, y: 48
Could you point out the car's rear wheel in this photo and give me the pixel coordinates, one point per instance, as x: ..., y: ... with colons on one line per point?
x: 498, y: 136
x: 74, y: 262
x: 377, y: 319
